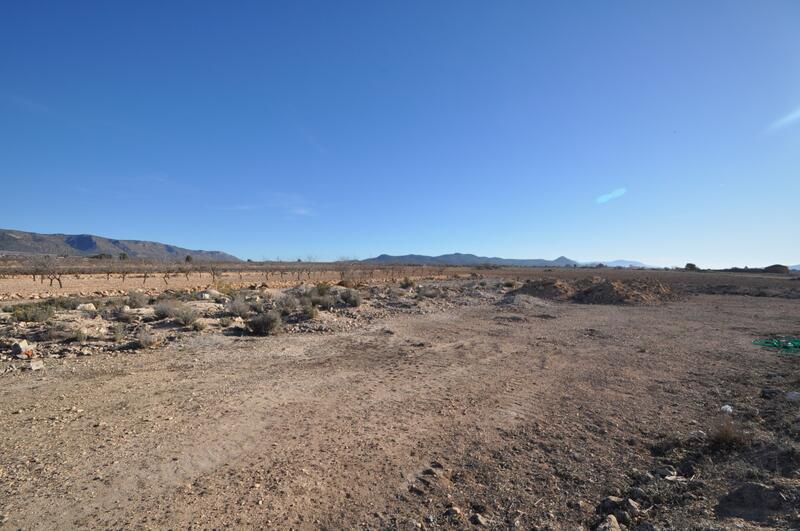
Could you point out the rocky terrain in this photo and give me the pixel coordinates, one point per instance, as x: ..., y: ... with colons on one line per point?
x: 608, y: 401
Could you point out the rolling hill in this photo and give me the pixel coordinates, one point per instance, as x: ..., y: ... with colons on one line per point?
x: 20, y: 242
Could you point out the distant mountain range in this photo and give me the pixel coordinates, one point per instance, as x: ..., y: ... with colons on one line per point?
x: 460, y: 259
x: 795, y: 267
x: 20, y: 242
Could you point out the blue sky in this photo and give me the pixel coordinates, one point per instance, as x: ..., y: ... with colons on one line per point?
x: 662, y: 132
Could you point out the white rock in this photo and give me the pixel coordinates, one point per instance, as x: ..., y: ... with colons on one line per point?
x: 88, y: 307
x: 728, y: 410
x: 36, y: 365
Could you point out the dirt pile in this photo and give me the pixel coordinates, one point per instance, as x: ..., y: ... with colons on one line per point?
x: 554, y: 289
x: 597, y: 290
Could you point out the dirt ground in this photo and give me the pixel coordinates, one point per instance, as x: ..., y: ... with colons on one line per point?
x: 478, y: 410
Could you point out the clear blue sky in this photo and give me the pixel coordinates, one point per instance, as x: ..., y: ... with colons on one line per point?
x: 664, y: 132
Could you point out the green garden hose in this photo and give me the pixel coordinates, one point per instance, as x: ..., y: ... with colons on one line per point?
x: 784, y: 345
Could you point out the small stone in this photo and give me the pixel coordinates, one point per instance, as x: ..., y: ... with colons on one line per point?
x: 727, y: 409
x: 36, y: 365
x: 477, y: 519
x: 609, y: 524
x: 610, y: 504
x: 665, y: 471
x: 768, y: 393
x: 623, y: 517
x: 479, y: 508
x: 631, y: 507
x: 792, y: 396
x: 87, y: 307
x: 453, y: 511
x: 697, y: 436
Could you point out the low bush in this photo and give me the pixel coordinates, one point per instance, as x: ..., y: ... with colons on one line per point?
x: 326, y: 302
x: 310, y: 312
x: 184, y: 314
x: 145, y: 338
x: 165, y: 309
x: 80, y: 336
x: 726, y: 433
x: 265, y: 324
x: 322, y: 289
x: 406, y: 283
x: 118, y: 332
x: 238, y: 307
x: 287, y: 304
x: 34, y: 312
x: 137, y: 300
x: 351, y: 298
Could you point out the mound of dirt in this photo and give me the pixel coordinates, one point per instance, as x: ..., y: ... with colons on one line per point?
x: 617, y: 292
x: 597, y: 290
x: 554, y: 289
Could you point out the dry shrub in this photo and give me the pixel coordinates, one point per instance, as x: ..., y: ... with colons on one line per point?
x: 326, y: 302
x: 185, y: 315
x: 35, y: 312
x: 309, y: 311
x: 238, y: 307
x: 287, y: 304
x: 137, y: 300
x: 265, y: 324
x: 351, y: 298
x: 146, y: 339
x: 118, y: 332
x: 726, y: 433
x: 164, y: 309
